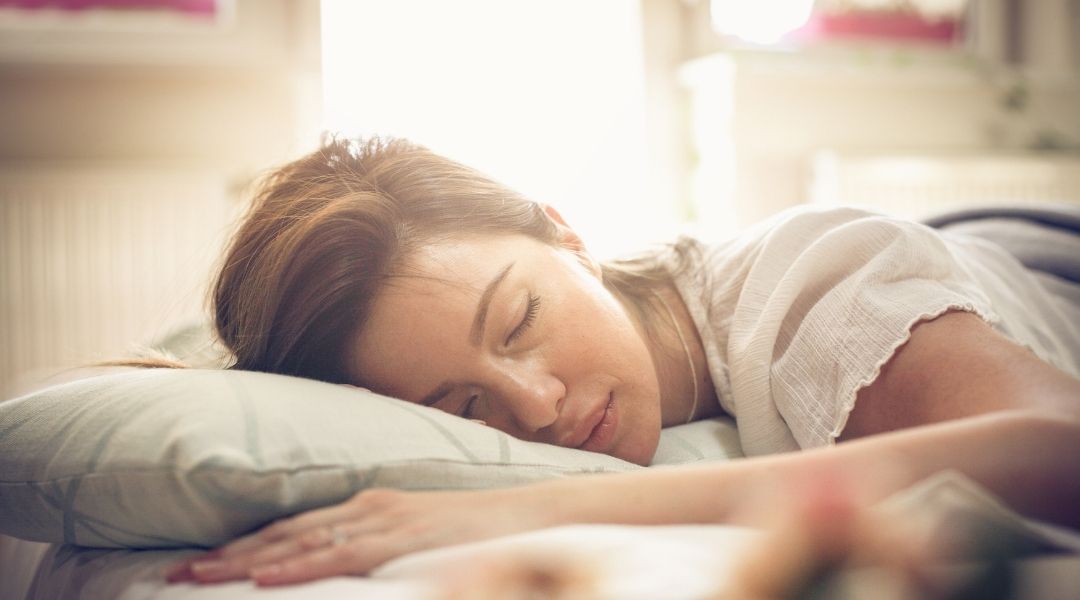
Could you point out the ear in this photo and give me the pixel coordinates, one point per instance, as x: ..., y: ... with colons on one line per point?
x: 569, y: 240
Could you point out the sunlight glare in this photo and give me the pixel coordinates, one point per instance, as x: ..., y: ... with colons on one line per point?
x: 760, y: 21
x: 546, y: 96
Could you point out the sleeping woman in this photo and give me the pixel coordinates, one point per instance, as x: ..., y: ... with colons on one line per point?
x: 841, y: 342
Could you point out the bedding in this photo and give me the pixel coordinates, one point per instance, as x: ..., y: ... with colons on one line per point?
x: 179, y: 457
x: 587, y: 561
x: 1045, y: 238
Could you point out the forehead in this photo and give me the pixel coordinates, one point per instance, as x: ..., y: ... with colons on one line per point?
x: 429, y: 303
x: 459, y: 268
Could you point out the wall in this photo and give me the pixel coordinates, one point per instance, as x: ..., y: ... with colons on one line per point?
x: 761, y: 115
x: 237, y: 95
x: 125, y: 150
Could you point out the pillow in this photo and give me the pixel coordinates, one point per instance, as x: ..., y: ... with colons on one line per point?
x: 165, y: 458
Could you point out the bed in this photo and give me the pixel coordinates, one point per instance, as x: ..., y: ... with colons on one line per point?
x: 107, y: 480
x: 615, y: 562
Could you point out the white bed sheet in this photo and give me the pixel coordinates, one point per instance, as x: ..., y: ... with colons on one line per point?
x: 623, y: 562
x: 627, y: 562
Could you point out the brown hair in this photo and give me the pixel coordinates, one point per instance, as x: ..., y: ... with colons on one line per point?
x: 326, y: 230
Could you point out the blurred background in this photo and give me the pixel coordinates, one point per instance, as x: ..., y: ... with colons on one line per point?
x: 131, y: 130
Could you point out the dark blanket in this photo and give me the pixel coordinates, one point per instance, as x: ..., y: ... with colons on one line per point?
x: 1044, y: 237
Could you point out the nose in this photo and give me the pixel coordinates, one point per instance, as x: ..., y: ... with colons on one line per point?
x: 530, y: 395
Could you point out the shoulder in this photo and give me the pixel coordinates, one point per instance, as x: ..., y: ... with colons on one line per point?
x: 810, y: 223
x: 802, y: 226
x: 812, y: 242
x: 823, y: 241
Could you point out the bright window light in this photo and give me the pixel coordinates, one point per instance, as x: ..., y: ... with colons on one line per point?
x: 759, y: 21
x: 546, y: 96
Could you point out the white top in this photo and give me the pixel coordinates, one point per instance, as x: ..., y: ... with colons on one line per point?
x: 802, y: 311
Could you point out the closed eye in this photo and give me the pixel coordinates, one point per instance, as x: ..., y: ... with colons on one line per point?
x: 468, y: 408
x: 531, y: 308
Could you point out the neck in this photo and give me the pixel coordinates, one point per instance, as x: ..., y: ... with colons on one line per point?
x: 686, y: 390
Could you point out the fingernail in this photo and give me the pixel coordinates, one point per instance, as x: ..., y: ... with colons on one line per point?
x: 174, y: 568
x: 208, y: 567
x: 265, y: 572
x: 177, y: 573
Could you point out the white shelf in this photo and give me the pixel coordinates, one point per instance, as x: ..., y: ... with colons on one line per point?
x: 246, y: 34
x: 871, y: 63
x: 918, y: 184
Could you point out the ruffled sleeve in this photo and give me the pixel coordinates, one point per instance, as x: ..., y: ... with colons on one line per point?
x: 827, y: 300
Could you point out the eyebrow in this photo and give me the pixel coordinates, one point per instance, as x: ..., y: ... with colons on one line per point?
x: 476, y: 334
x: 439, y: 393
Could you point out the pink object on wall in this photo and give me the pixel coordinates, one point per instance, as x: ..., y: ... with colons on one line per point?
x: 198, y: 7
x: 880, y: 25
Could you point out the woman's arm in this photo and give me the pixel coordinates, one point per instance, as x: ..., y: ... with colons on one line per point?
x: 1029, y: 460
x: 957, y: 366
x: 956, y: 396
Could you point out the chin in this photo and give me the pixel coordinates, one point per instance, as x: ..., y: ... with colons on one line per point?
x: 642, y: 461
x: 640, y: 454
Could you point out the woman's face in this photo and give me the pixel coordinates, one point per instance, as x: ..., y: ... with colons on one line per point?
x: 519, y: 334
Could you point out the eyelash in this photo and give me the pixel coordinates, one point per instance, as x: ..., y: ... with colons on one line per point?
x: 531, y: 309
x: 467, y: 408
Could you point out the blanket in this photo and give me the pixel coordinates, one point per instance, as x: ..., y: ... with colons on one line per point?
x: 1044, y: 237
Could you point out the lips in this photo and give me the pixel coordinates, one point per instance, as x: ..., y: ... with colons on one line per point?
x: 602, y: 431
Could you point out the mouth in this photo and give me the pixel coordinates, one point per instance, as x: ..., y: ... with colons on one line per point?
x: 602, y: 432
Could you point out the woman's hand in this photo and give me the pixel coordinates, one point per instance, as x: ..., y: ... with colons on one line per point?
x: 817, y: 534
x: 354, y: 537
x: 821, y: 541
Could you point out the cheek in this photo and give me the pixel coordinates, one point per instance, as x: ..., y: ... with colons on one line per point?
x: 617, y: 348
x: 595, y: 334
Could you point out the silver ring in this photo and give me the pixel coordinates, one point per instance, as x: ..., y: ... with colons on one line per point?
x: 338, y: 535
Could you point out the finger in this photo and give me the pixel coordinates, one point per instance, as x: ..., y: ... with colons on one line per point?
x: 250, y: 542
x: 178, y: 573
x: 181, y: 571
x: 353, y: 558
x: 237, y: 567
x: 289, y: 527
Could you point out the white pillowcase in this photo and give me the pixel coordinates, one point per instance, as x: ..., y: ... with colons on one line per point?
x: 165, y: 458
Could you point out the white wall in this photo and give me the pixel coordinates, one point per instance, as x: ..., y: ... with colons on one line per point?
x: 762, y: 115
x: 236, y: 94
x: 155, y: 128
